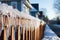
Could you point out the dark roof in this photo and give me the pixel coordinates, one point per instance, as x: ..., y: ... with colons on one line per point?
x: 36, y: 6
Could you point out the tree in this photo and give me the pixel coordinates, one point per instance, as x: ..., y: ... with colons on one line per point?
x: 45, y: 18
x: 57, y: 5
x: 57, y: 9
x: 58, y: 20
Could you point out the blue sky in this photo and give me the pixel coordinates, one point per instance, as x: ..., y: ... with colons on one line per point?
x: 46, y: 4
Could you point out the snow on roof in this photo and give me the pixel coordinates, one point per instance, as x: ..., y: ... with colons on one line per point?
x: 5, y: 9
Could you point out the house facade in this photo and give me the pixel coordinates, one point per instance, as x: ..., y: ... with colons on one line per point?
x: 21, y: 5
x: 34, y: 10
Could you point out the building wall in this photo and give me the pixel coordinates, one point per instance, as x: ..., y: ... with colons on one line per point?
x: 25, y: 9
x: 19, y: 5
x: 14, y: 3
x: 33, y: 13
x: 35, y: 10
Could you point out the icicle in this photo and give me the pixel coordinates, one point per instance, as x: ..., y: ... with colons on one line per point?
x: 0, y: 22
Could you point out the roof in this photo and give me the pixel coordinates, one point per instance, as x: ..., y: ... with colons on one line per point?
x: 36, y: 6
x: 27, y: 3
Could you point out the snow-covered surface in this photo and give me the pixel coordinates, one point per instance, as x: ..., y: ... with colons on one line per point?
x: 49, y: 34
x: 34, y: 22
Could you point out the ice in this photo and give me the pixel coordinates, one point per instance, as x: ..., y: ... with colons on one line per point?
x: 3, y: 8
x: 7, y: 9
x: 49, y: 34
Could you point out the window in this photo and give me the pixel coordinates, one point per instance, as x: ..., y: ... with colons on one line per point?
x: 14, y: 4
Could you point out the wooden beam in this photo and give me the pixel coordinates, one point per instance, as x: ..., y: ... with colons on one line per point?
x: 26, y: 34
x: 40, y: 32
x: 18, y: 32
x: 12, y: 32
x: 12, y: 28
x: 9, y: 27
x: 35, y: 33
x: 0, y: 23
x: 18, y: 28
x: 29, y: 33
x: 5, y: 21
x: 25, y: 30
x: 4, y: 33
x: 23, y: 34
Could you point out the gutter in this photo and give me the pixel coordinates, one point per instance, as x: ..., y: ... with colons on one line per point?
x: 28, y: 4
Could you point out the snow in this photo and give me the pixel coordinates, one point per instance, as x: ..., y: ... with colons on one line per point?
x: 34, y: 22
x: 51, y: 38
x: 49, y: 34
x: 3, y: 8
